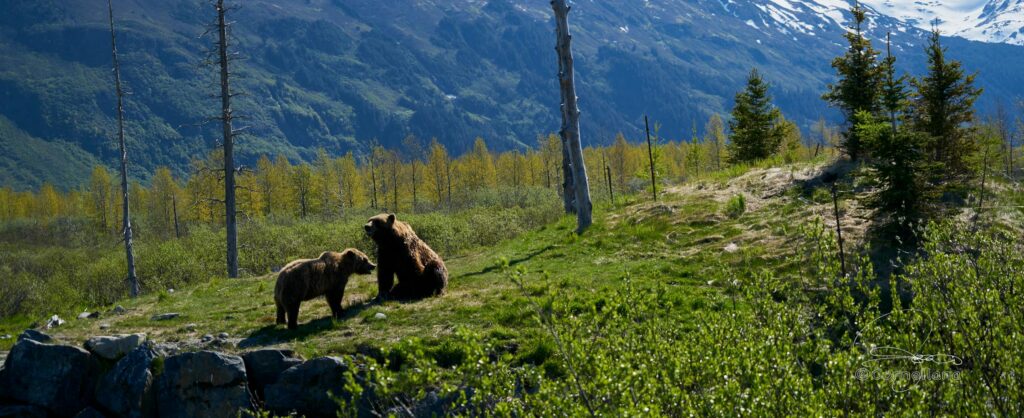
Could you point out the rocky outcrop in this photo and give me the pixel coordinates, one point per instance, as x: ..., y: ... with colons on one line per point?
x: 125, y: 377
x: 265, y: 366
x: 90, y: 412
x: 37, y: 336
x: 56, y: 377
x: 114, y: 347
x: 203, y: 384
x: 307, y: 389
x: 127, y: 389
x: 22, y: 411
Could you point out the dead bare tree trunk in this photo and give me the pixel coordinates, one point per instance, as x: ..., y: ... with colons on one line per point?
x: 229, y: 152
x: 650, y: 157
x: 373, y: 181
x: 568, y: 188
x: 570, y: 131
x: 133, y: 280
x: 174, y: 205
x: 831, y: 179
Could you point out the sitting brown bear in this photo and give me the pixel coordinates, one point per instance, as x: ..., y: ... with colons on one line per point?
x: 421, y: 272
x: 302, y: 280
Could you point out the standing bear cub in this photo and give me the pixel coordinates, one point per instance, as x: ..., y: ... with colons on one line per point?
x: 303, y: 280
x: 421, y: 272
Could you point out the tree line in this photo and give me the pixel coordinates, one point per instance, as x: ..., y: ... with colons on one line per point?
x: 419, y: 177
x: 919, y: 137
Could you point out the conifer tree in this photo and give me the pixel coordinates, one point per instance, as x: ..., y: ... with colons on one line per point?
x: 860, y: 79
x: 899, y: 164
x: 942, y: 105
x: 756, y: 132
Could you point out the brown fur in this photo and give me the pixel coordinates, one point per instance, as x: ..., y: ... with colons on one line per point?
x: 307, y: 279
x: 421, y: 272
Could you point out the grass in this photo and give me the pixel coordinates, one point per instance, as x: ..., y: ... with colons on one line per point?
x: 668, y: 308
x: 679, y: 242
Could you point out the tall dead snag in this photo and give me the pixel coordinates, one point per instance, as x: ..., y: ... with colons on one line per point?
x: 831, y: 179
x: 226, y: 117
x: 650, y: 156
x: 570, y: 132
x: 126, y: 222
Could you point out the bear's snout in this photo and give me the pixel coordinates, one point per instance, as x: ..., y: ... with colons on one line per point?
x: 369, y: 229
x: 367, y: 267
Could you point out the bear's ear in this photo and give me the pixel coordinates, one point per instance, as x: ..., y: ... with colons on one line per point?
x: 391, y: 219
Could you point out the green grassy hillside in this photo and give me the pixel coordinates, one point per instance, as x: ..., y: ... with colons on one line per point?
x: 701, y: 303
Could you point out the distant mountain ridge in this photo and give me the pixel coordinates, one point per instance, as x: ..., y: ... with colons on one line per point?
x: 998, y: 21
x: 336, y: 74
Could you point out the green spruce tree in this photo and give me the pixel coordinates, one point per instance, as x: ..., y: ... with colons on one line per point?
x: 899, y: 163
x: 942, y: 107
x: 755, y: 125
x: 860, y: 79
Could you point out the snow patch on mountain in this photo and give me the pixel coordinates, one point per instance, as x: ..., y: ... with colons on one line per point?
x: 997, y: 21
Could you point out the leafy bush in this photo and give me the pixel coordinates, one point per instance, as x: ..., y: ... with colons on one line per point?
x: 780, y: 350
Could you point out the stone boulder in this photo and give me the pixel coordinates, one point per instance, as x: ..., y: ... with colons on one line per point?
x: 126, y: 390
x: 22, y: 411
x: 90, y: 412
x: 265, y: 366
x: 306, y: 389
x: 34, y: 335
x: 56, y: 377
x: 203, y: 384
x: 114, y: 347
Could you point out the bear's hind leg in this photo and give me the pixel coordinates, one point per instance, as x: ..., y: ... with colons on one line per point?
x: 404, y: 291
x: 280, y: 314
x: 434, y: 280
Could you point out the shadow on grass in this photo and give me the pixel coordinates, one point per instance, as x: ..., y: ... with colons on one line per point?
x: 512, y: 262
x: 274, y: 334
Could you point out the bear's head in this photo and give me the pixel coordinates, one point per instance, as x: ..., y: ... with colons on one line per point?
x: 380, y: 226
x: 356, y: 262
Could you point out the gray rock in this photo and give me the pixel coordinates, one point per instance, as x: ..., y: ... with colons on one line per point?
x: 190, y: 327
x: 119, y: 310
x: 203, y: 384
x: 223, y: 335
x: 57, y: 377
x: 265, y: 366
x: 114, y: 347
x: 126, y: 390
x: 303, y: 389
x: 206, y: 338
x: 5, y: 337
x: 88, y: 315
x: 165, y: 316
x: 104, y: 326
x: 90, y: 412
x: 34, y: 335
x: 167, y: 349
x: 22, y: 411
x: 54, y: 322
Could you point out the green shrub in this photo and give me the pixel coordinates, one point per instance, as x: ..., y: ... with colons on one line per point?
x: 736, y: 206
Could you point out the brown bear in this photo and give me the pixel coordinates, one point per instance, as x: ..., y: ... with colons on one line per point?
x: 303, y: 280
x: 421, y: 272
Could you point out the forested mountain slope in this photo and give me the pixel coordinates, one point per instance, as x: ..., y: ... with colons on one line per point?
x: 338, y: 73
